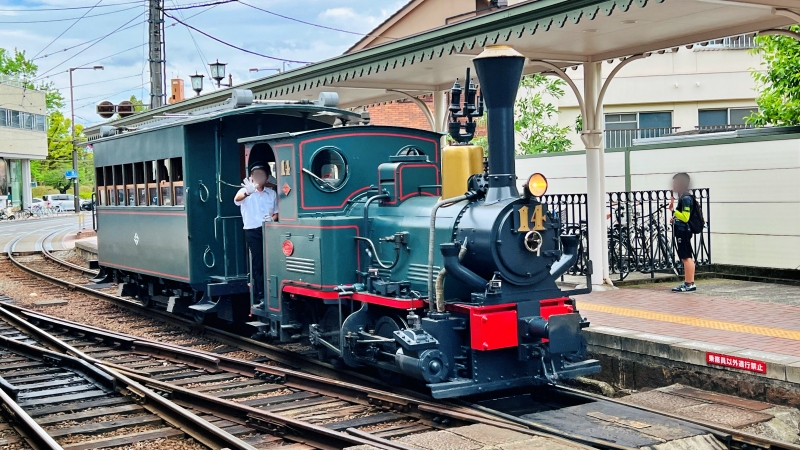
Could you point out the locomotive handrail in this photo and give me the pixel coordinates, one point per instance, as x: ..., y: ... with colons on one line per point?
x: 432, y: 236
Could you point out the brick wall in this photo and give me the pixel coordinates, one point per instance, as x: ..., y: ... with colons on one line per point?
x: 404, y: 113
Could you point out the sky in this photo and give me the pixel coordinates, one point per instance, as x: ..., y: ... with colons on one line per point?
x: 36, y: 28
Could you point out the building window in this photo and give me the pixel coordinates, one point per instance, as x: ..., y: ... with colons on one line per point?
x: 724, y: 119
x: 41, y: 123
x: 19, y: 119
x: 622, y: 128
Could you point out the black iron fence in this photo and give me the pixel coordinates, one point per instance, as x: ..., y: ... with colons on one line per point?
x: 640, y: 237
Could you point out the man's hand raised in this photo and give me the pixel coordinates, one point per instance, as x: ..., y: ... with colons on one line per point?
x: 249, y: 186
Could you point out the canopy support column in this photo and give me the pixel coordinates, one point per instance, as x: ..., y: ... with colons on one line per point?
x: 440, y: 111
x: 592, y: 137
x: 591, y: 106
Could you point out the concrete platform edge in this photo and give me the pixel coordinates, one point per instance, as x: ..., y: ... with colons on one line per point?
x: 602, y: 339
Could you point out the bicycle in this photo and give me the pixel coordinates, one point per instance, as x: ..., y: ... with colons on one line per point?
x: 650, y: 241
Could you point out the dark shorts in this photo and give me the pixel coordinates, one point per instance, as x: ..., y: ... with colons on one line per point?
x: 683, y: 243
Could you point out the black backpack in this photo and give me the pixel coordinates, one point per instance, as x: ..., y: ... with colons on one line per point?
x: 696, y: 220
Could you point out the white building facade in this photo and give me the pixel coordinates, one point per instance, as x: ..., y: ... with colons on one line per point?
x: 23, y: 137
x: 703, y: 88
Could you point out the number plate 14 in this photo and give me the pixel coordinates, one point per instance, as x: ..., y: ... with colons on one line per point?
x: 527, y: 218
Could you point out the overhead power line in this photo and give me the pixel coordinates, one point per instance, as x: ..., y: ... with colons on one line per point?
x: 27, y: 10
x: 87, y: 48
x: 275, y: 58
x: 71, y: 18
x: 85, y: 42
x: 99, y: 82
x: 197, y: 5
x: 312, y: 23
x: 68, y: 28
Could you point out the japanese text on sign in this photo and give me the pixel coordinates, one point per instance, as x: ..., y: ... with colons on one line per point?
x: 736, y: 362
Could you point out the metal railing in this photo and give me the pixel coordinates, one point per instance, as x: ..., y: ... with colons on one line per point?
x: 738, y: 42
x: 624, y: 138
x: 640, y: 236
x: 718, y: 128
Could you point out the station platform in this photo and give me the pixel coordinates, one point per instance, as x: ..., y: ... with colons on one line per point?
x: 747, y: 333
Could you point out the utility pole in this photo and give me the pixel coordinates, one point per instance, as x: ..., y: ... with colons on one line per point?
x: 156, y: 58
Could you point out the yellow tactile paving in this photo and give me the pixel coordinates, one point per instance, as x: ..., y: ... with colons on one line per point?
x: 693, y: 321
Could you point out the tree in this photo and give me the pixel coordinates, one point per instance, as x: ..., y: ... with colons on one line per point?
x: 532, y: 116
x: 779, y: 97
x: 50, y: 171
x: 15, y: 65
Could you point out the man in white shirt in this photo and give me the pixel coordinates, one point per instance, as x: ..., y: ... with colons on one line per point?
x: 258, y: 204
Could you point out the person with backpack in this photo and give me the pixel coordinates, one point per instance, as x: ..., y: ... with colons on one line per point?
x: 687, y: 220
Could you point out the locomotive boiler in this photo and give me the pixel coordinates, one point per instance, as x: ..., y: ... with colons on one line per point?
x: 433, y: 269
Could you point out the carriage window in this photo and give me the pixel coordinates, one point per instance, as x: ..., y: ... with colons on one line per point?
x: 138, y: 178
x: 119, y: 186
x: 99, y: 176
x: 130, y: 193
x: 328, y: 170
x: 164, y: 181
x: 151, y: 172
x: 177, y: 180
x: 109, y: 179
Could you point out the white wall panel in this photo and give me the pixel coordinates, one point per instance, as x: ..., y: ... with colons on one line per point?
x: 779, y: 252
x: 754, y: 187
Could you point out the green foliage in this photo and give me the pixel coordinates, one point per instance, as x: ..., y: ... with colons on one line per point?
x: 532, y: 115
x: 15, y: 65
x: 779, y: 98
x: 50, y: 171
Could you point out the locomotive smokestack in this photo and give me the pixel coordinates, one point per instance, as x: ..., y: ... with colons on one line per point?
x: 499, y: 68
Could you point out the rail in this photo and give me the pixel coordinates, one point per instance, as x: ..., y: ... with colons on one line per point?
x: 435, y: 412
x: 640, y: 237
x: 329, y: 384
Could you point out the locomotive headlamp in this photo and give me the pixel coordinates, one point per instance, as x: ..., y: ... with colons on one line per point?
x: 537, y: 185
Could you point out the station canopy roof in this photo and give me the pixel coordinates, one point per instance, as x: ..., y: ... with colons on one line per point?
x: 563, y: 32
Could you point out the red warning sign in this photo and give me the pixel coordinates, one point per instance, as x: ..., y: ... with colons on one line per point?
x: 736, y: 362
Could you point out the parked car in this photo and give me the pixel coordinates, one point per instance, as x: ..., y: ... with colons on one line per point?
x: 65, y: 202
x: 87, y: 205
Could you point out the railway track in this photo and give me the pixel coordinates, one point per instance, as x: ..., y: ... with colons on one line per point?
x: 606, y: 423
x: 257, y: 393
x: 263, y: 405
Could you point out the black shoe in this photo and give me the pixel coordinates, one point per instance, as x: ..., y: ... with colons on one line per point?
x: 685, y: 287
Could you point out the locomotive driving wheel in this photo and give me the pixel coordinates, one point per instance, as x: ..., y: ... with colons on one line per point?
x: 385, y: 328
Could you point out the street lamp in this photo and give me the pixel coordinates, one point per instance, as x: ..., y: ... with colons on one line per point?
x: 74, y: 148
x: 268, y: 68
x: 218, y: 71
x: 197, y: 82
